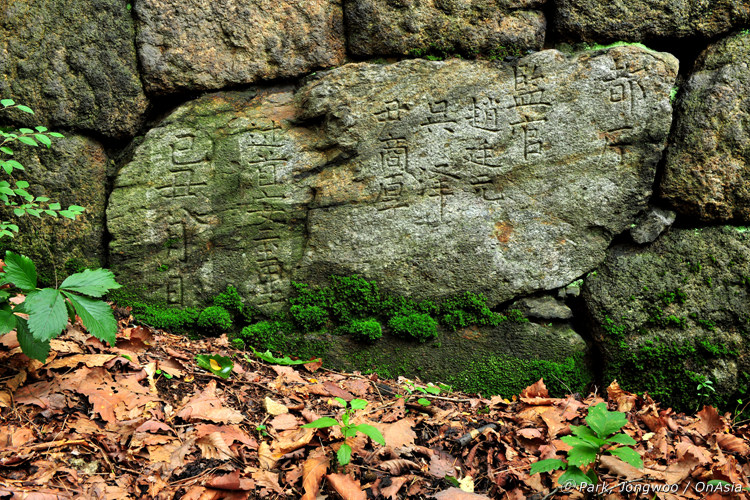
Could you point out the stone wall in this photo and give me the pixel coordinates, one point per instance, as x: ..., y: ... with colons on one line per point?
x: 432, y: 146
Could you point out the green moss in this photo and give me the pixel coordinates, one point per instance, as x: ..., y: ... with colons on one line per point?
x: 174, y: 320
x: 230, y: 300
x: 468, y: 309
x: 366, y: 330
x: 74, y: 265
x: 308, y: 317
x: 506, y: 375
x: 421, y: 327
x: 280, y: 337
x: 215, y: 319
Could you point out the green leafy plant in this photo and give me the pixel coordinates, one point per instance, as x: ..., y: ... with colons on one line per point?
x: 308, y: 317
x: 218, y: 365
x: 347, y: 428
x: 14, y: 194
x: 215, y: 319
x: 286, y: 360
x: 261, y: 430
x: 602, y: 435
x: 705, y: 388
x: 411, y: 389
x: 50, y: 308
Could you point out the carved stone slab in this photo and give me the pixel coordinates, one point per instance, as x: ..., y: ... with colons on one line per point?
x: 210, y: 199
x: 501, y: 179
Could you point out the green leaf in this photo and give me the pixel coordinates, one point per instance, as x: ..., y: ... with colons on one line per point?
x: 19, y: 212
x: 91, y: 282
x: 31, y: 347
x: 348, y: 431
x: 71, y: 311
x: 371, y: 432
x: 582, y: 455
x: 286, y: 360
x: 22, y: 184
x: 42, y: 199
x: 25, y: 130
x: 39, y: 128
x: 7, y: 190
x: 574, y: 476
x: 6, y: 150
x: 20, y: 271
x: 7, y: 102
x: 628, y: 455
x: 96, y: 315
x: 587, y: 435
x: 25, y: 109
x: 54, y: 206
x: 344, y: 455
x: 56, y: 134
x: 592, y: 475
x: 47, y: 313
x: 341, y: 401
x: 452, y: 481
x: 424, y: 402
x: 218, y: 365
x: 622, y: 439
x: 43, y: 139
x: 718, y: 482
x: 76, y: 208
x: 321, y: 423
x: 605, y: 422
x: 27, y: 140
x: 15, y: 164
x: 7, y: 319
x: 358, y: 404
x: 547, y: 465
x: 432, y: 389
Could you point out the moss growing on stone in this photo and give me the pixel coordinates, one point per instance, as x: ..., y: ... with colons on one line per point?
x: 215, y: 319
x: 231, y: 301
x: 366, y: 330
x: 468, y: 309
x: 308, y: 317
x: 421, y: 327
x: 507, y: 375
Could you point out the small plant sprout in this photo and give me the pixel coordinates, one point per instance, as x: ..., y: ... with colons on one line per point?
x: 602, y: 435
x: 411, y: 388
x: 344, y: 454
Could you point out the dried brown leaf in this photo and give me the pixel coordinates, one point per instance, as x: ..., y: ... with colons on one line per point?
x: 625, y: 400
x: 398, y: 434
x: 732, y: 443
x: 709, y: 421
x: 346, y: 486
x: 399, y: 466
x: 207, y: 406
x: 535, y: 390
x: 313, y: 470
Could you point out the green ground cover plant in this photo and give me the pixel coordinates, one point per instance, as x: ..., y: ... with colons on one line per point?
x: 589, y: 442
x: 49, y: 309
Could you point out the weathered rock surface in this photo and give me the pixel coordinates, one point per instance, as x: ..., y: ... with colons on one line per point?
x: 72, y: 172
x: 669, y: 314
x: 651, y: 224
x: 602, y: 21
x: 212, y: 198
x: 501, y: 179
x: 707, y: 171
x: 545, y: 308
x: 73, y: 62
x: 469, y: 27
x: 431, y: 177
x: 200, y: 44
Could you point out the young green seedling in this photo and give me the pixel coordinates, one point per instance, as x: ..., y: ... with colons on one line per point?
x: 589, y: 443
x: 411, y: 388
x: 344, y: 454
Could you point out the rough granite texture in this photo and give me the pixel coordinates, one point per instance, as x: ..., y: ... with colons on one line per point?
x: 73, y: 62
x: 689, y: 292
x: 503, y: 179
x: 431, y: 177
x: 469, y: 27
x: 707, y: 172
x: 201, y: 44
x: 73, y: 172
x: 603, y: 21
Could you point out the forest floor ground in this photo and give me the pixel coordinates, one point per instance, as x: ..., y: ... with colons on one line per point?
x: 141, y: 420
